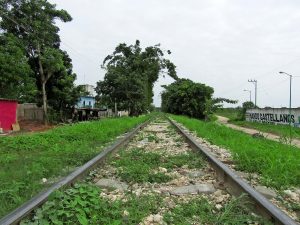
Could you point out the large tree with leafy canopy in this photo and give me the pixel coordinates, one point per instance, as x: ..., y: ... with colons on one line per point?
x: 190, y: 98
x: 33, y: 22
x: 16, y: 81
x: 130, y: 76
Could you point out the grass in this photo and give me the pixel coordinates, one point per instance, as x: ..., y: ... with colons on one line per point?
x: 200, y: 211
x: 26, y: 159
x: 144, y: 168
x: 280, y: 130
x: 278, y: 164
x: 83, y: 205
x: 230, y: 113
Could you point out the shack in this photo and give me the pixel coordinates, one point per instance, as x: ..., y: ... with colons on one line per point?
x: 8, y: 114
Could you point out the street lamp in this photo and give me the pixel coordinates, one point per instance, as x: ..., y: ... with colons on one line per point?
x: 255, y: 84
x: 250, y: 93
x: 290, y: 105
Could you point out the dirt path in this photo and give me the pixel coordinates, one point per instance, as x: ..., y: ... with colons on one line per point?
x: 251, y: 131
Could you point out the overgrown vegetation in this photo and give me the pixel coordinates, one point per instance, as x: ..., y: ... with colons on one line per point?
x: 200, y: 211
x: 32, y: 65
x: 185, y: 97
x: 230, y: 113
x: 280, y: 130
x: 234, y: 115
x: 130, y: 76
x: 83, y: 205
x: 146, y: 164
x: 26, y: 159
x: 278, y: 164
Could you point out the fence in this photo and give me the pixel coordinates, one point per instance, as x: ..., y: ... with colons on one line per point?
x: 30, y: 111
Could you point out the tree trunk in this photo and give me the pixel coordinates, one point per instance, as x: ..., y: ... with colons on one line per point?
x: 43, y: 82
x: 45, y: 109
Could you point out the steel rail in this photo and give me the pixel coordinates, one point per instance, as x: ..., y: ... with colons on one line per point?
x: 237, y: 185
x: 21, y: 212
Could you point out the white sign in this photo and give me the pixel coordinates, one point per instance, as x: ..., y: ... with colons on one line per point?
x: 275, y: 116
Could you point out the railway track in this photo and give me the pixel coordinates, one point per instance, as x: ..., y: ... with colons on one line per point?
x: 159, y: 177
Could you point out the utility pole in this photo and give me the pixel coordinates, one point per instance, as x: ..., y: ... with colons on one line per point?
x: 250, y: 94
x: 290, y: 104
x: 255, y: 84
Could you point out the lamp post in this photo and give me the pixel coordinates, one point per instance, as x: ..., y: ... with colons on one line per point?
x: 255, y: 84
x: 290, y: 103
x: 250, y: 94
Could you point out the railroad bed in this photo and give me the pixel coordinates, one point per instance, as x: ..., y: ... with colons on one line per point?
x: 157, y: 178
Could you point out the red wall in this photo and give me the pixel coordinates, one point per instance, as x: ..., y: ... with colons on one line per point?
x: 8, y: 114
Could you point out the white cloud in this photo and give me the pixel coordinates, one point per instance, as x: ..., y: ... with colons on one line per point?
x: 218, y: 42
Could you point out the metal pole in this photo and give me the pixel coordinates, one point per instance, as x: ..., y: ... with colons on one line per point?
x: 290, y: 105
x: 255, y: 93
x: 255, y: 84
x: 250, y: 97
x: 290, y: 111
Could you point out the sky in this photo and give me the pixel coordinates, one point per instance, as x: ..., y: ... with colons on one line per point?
x: 221, y: 43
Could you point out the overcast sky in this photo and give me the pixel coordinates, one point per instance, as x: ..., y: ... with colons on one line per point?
x: 221, y: 43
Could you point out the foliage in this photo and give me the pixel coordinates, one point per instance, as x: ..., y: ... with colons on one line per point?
x: 143, y: 169
x: 231, y: 113
x: 82, y: 204
x: 33, y: 22
x: 16, y: 81
x: 61, y: 91
x: 146, y: 164
x: 200, y: 211
x: 26, y: 159
x: 130, y: 75
x: 278, y: 164
x: 212, y: 105
x: 246, y: 105
x: 186, y: 97
x: 281, y: 130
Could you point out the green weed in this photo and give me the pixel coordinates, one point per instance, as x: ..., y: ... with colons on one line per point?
x: 200, y: 211
x: 82, y: 204
x: 281, y: 130
x: 278, y: 164
x: 139, y: 166
x: 26, y: 159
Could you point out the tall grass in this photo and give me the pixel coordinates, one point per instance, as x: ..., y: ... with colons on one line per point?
x: 231, y: 113
x: 280, y: 130
x: 278, y: 164
x: 25, y: 160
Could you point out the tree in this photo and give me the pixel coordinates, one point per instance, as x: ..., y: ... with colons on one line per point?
x: 33, y: 21
x: 192, y: 99
x: 246, y: 105
x: 130, y: 76
x: 213, y: 104
x: 62, y: 94
x: 16, y: 79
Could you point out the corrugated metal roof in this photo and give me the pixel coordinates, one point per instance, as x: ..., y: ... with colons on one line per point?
x: 8, y: 100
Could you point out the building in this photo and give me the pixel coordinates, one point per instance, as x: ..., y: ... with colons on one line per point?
x: 86, y: 102
x: 8, y: 114
x: 90, y: 89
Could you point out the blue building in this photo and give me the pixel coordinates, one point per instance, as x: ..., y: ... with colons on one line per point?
x: 86, y: 102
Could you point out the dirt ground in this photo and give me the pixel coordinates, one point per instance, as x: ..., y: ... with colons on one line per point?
x: 27, y: 126
x: 250, y: 131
